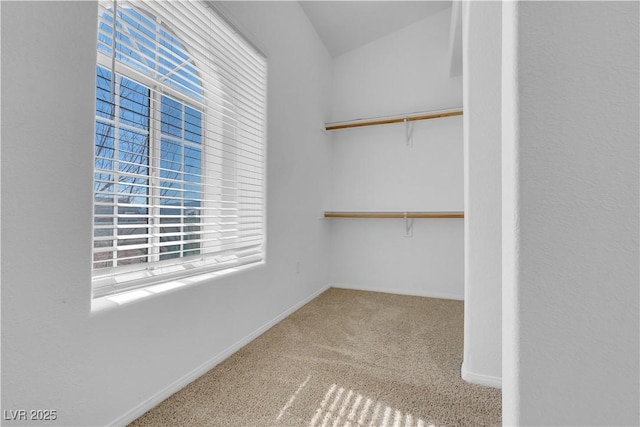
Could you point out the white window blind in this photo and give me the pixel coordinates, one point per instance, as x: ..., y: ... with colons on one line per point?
x: 179, y: 146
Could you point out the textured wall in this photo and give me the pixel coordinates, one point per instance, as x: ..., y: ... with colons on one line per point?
x: 483, y: 194
x: 570, y: 176
x: 98, y: 368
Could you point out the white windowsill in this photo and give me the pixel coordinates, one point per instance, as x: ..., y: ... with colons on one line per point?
x: 126, y: 297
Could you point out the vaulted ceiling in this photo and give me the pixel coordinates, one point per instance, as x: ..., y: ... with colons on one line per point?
x: 346, y: 25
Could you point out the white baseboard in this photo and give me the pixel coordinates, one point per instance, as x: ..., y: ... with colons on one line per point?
x: 412, y: 292
x: 480, y: 379
x: 172, y: 388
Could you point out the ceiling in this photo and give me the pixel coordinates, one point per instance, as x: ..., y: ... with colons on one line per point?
x: 346, y: 25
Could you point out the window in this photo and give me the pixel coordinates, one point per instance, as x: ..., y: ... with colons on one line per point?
x: 179, y: 145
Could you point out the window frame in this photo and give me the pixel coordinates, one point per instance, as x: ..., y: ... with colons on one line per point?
x: 154, y: 138
x: 157, y: 270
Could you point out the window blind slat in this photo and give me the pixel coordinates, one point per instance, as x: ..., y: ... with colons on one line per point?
x: 180, y: 145
x: 218, y: 50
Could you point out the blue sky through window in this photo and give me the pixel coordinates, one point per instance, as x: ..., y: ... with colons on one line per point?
x: 149, y: 47
x: 123, y: 172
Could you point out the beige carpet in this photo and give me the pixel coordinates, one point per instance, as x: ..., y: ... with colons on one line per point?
x: 348, y: 358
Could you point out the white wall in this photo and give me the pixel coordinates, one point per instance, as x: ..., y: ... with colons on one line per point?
x: 98, y: 369
x: 483, y: 194
x: 570, y: 186
x: 372, y: 169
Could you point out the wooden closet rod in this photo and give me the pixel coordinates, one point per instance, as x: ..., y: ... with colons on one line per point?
x: 400, y: 215
x: 428, y: 116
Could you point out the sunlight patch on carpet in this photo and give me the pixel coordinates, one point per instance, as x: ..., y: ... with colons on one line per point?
x: 343, y: 407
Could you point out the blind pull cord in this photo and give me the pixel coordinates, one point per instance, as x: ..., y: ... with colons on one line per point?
x: 113, y: 55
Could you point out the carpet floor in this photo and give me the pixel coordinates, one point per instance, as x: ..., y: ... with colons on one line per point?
x: 347, y: 358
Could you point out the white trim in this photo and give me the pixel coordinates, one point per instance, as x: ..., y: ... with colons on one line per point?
x: 480, y: 379
x: 108, y: 302
x: 412, y: 292
x: 179, y: 384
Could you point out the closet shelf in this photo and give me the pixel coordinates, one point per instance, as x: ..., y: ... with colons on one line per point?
x: 394, y: 119
x: 394, y: 214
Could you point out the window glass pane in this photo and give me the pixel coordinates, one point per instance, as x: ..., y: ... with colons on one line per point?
x: 192, y: 164
x: 134, y: 104
x: 171, y: 117
x: 133, y: 153
x: 139, y: 26
x: 190, y: 75
x: 104, y: 146
x: 105, y: 33
x: 170, y: 159
x: 193, y: 125
x: 104, y: 104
